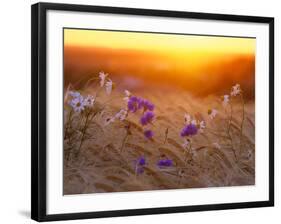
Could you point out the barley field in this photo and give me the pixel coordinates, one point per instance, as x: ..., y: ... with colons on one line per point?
x: 110, y: 145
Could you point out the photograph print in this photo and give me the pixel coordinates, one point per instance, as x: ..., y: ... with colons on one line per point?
x: 150, y: 111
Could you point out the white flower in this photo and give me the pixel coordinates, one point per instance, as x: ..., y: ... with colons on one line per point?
x: 216, y: 145
x: 89, y: 101
x: 235, y: 90
x: 102, y: 76
x: 202, y: 126
x: 187, y: 118
x: 108, y: 87
x: 225, y: 100
x: 212, y: 113
x: 127, y: 95
x: 122, y: 114
x: 77, y: 104
x: 186, y: 143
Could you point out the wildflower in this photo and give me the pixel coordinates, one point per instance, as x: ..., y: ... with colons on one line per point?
x: 133, y: 104
x: 108, y: 87
x: 186, y: 143
x: 127, y: 95
x: 189, y: 130
x: 148, y: 134
x: 225, y: 100
x: 89, y: 101
x: 202, y: 126
x: 77, y: 104
x: 212, y: 113
x: 216, y: 145
x: 235, y: 90
x: 102, y: 76
x: 141, y: 161
x: 74, y: 94
x: 165, y: 163
x: 147, y: 118
x: 146, y: 105
x: 187, y: 118
x: 139, y: 169
x: 122, y: 114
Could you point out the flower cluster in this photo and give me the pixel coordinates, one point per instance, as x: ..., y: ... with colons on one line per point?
x: 79, y: 103
x: 145, y: 105
x: 136, y: 103
x: 147, y: 118
x: 189, y: 130
x: 162, y: 163
x: 192, y: 126
x: 107, y: 82
x: 133, y: 104
x: 235, y: 91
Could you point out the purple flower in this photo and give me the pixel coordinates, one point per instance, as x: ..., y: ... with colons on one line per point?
x: 136, y: 103
x: 133, y: 104
x: 165, y: 163
x: 189, y: 130
x: 146, y: 105
x: 141, y: 161
x: 147, y: 118
x: 148, y: 134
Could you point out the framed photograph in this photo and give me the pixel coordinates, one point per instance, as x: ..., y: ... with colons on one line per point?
x: 140, y: 111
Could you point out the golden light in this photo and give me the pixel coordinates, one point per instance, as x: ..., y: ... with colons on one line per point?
x: 159, y: 42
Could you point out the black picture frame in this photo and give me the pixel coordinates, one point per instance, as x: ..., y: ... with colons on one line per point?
x: 38, y: 108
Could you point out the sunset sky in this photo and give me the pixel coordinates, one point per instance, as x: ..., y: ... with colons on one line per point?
x: 163, y: 42
x: 163, y: 59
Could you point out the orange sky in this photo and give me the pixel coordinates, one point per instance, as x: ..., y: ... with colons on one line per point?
x: 177, y: 44
x: 185, y: 59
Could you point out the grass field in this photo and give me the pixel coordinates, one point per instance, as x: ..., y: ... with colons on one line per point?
x: 103, y: 153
